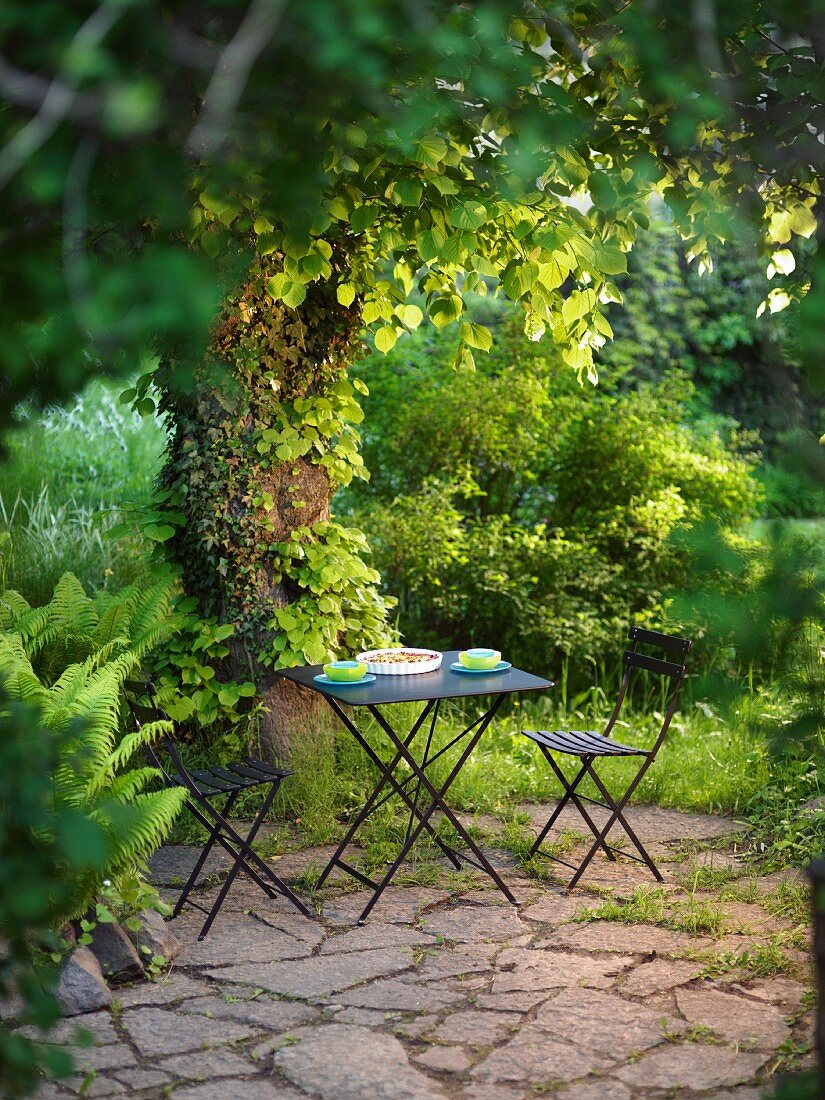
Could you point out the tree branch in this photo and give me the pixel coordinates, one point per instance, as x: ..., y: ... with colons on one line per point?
x: 60, y: 96
x: 230, y: 76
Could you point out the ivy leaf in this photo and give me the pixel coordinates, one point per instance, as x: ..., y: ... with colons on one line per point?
x: 477, y: 336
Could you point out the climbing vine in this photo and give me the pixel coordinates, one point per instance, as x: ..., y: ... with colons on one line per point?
x: 261, y: 437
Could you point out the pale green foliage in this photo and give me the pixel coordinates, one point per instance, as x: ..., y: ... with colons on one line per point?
x: 69, y: 660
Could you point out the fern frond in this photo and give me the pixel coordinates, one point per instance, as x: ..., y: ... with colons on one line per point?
x: 124, y: 788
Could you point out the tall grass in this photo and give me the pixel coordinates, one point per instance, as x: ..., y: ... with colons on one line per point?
x: 64, y: 480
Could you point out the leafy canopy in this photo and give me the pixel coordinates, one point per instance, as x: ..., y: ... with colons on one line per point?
x: 447, y: 144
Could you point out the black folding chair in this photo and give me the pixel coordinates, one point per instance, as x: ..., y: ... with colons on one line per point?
x: 589, y: 745
x: 204, y: 785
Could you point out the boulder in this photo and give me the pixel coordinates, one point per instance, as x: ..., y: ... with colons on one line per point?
x: 82, y: 987
x: 116, y: 953
x: 154, y: 937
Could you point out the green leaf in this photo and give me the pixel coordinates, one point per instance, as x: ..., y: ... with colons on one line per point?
x: 345, y: 293
x: 385, y: 338
x: 443, y: 311
x: 801, y: 221
x: 577, y: 305
x: 470, y: 215
x: 294, y: 294
x: 477, y: 336
x: 430, y: 151
x: 363, y: 217
x: 159, y: 532
x: 429, y: 244
x: 610, y: 259
x: 458, y: 245
x: 518, y: 278
x: 409, y: 315
x: 407, y: 191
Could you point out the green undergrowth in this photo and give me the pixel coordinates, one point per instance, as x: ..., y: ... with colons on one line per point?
x: 710, y: 763
x: 658, y: 905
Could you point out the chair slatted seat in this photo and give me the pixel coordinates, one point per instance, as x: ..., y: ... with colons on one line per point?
x: 204, y: 785
x: 589, y: 745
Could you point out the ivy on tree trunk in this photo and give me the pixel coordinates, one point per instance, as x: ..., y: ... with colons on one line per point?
x: 262, y: 434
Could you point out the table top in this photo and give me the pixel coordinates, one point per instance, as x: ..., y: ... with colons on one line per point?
x: 441, y: 684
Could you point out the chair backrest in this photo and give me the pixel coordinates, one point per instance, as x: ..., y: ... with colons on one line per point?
x: 674, y: 669
x: 142, y: 700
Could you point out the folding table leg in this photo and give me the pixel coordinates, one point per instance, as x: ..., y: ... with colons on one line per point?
x: 437, y: 796
x: 233, y: 842
x: 387, y: 777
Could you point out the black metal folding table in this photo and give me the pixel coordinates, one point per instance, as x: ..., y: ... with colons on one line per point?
x: 429, y: 688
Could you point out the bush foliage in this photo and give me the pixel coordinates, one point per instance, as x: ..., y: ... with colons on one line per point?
x: 510, y: 506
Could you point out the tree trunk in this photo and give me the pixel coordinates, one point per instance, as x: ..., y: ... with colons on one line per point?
x: 261, y: 437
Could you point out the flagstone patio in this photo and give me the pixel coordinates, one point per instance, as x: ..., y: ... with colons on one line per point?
x: 451, y: 992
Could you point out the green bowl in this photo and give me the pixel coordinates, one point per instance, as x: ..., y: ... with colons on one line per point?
x: 345, y: 671
x: 479, y: 658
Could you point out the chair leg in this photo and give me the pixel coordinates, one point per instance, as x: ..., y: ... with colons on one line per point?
x: 207, y: 848
x: 569, y: 796
x: 249, y: 859
x: 616, y: 815
x: 230, y: 878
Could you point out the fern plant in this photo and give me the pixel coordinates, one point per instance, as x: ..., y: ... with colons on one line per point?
x: 69, y: 660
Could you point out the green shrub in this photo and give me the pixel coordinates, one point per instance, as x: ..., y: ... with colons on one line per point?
x: 50, y: 850
x: 537, y: 516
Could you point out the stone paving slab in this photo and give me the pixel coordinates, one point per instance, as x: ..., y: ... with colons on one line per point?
x: 450, y: 991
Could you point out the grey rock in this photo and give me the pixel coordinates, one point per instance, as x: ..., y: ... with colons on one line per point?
x: 527, y: 970
x: 245, y: 938
x: 160, y: 1031
x: 573, y: 1034
x: 320, y: 975
x: 173, y: 864
x: 445, y: 1059
x: 691, y: 1066
x: 474, y: 923
x: 81, y: 987
x: 277, y: 1016
x: 154, y: 937
x: 116, y: 953
x: 169, y: 989
x: 345, y: 1062
x: 239, y: 1090
x: 393, y: 995
x: 143, y: 1078
x: 203, y: 1065
x: 740, y: 1020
